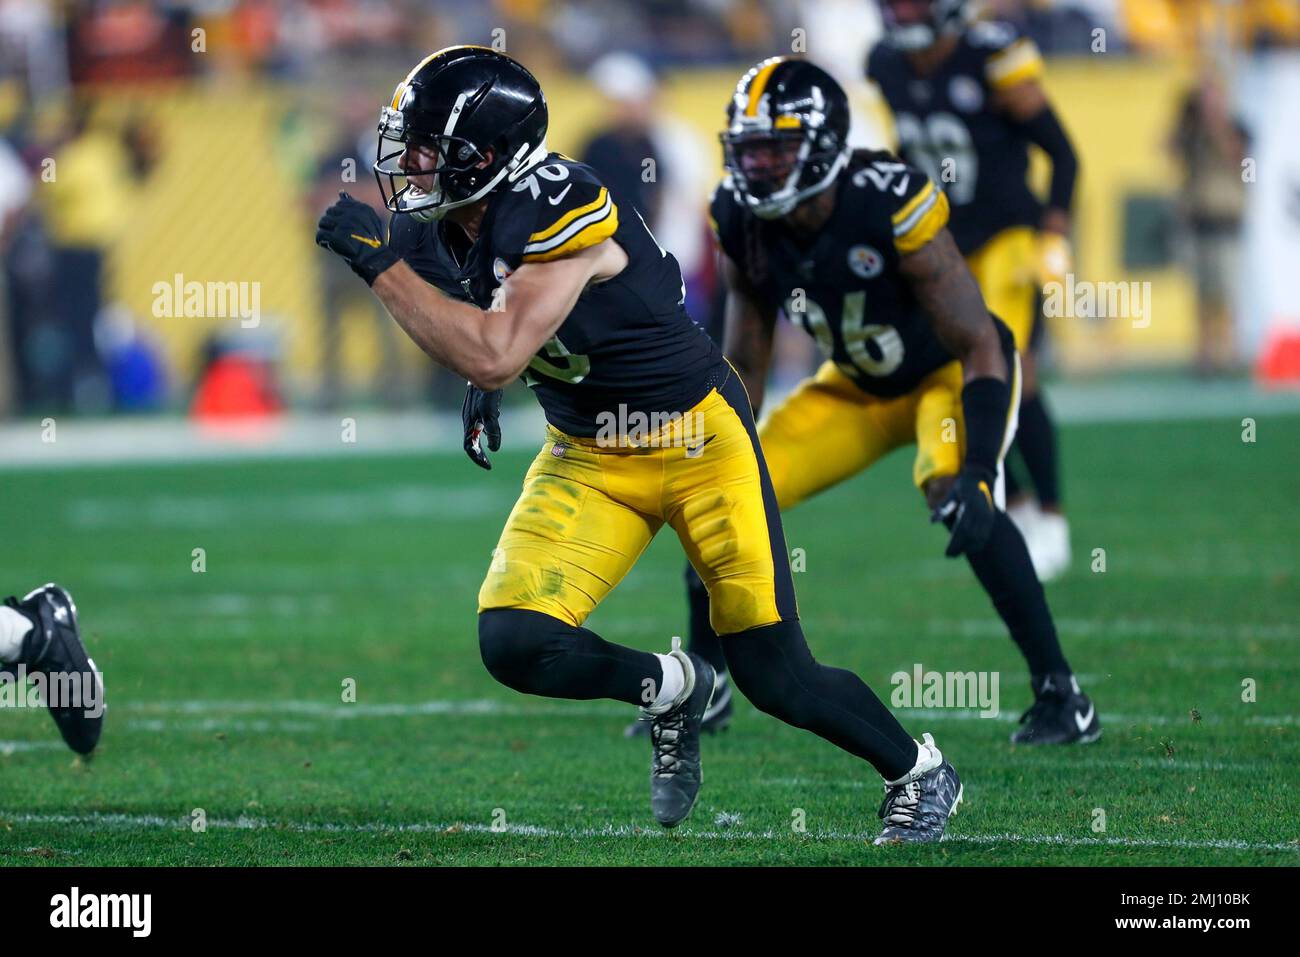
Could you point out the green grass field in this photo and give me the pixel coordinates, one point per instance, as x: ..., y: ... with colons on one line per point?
x: 225, y: 687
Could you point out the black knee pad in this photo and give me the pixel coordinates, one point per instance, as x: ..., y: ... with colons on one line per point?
x: 772, y: 667
x: 512, y: 642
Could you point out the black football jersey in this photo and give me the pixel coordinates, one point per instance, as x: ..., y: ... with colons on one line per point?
x: 947, y: 127
x: 627, y: 342
x: 843, y: 286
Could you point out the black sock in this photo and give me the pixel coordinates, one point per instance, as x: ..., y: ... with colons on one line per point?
x: 1036, y: 439
x: 774, y: 669
x: 537, y: 654
x: 703, y: 640
x: 1004, y: 569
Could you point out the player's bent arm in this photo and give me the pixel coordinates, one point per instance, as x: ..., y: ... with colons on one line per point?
x: 491, y: 347
x: 1026, y: 104
x: 941, y: 281
x: 749, y: 325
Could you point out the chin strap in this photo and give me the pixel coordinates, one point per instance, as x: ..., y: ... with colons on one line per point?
x: 785, y: 206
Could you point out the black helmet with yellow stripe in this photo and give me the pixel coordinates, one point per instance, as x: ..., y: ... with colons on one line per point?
x: 787, y: 135
x: 481, y: 117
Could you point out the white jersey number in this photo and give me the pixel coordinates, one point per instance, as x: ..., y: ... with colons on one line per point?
x: 858, y: 335
x: 941, y: 146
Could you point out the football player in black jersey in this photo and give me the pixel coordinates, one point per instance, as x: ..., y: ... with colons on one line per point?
x: 968, y: 101
x: 854, y: 247
x: 505, y: 259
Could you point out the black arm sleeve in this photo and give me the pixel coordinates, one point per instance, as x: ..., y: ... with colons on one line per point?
x: 985, y: 405
x: 1045, y: 130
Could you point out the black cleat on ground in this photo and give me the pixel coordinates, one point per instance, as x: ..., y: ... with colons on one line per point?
x: 717, y: 718
x: 675, y: 773
x: 917, y: 806
x: 74, y: 687
x: 1060, y: 714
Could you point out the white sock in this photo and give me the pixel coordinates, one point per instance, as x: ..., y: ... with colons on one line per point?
x: 13, y: 626
x: 924, y: 756
x: 674, y: 681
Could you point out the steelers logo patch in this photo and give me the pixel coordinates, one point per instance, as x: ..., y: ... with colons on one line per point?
x: 966, y: 94
x: 501, y: 270
x: 866, y: 262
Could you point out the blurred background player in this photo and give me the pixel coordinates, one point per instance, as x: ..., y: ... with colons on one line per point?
x: 40, y: 639
x: 853, y: 246
x: 655, y: 163
x: 967, y: 103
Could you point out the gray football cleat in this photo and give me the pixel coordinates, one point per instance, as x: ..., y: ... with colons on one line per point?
x: 917, y: 806
x: 675, y: 773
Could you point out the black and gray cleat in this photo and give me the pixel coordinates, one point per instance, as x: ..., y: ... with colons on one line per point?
x: 1061, y: 714
x: 917, y: 806
x: 73, y: 686
x: 717, y: 718
x: 675, y: 773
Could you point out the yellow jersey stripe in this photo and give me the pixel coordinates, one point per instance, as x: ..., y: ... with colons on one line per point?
x: 913, y: 204
x: 601, y: 198
x: 602, y: 225
x: 1018, y: 62
x: 759, y: 84
x: 923, y: 223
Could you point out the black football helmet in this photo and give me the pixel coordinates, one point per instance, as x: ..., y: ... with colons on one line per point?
x: 791, y: 103
x: 916, y: 24
x: 479, y: 110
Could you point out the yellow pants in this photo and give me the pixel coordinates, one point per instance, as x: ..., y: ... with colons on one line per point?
x: 1006, y: 269
x: 588, y: 511
x: 829, y: 430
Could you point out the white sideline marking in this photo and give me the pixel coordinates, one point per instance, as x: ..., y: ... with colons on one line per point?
x: 245, y: 823
x: 300, y: 434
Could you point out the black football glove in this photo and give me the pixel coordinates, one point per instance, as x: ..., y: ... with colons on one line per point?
x: 968, y: 511
x: 353, y: 230
x: 481, y: 414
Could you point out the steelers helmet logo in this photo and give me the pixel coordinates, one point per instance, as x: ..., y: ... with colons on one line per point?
x: 965, y: 94
x: 501, y: 270
x: 866, y: 262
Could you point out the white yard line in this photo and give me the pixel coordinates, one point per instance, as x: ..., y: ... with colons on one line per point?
x: 12, y: 747
x: 1125, y: 628
x: 474, y: 707
x: 244, y: 823
x: 478, y: 707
